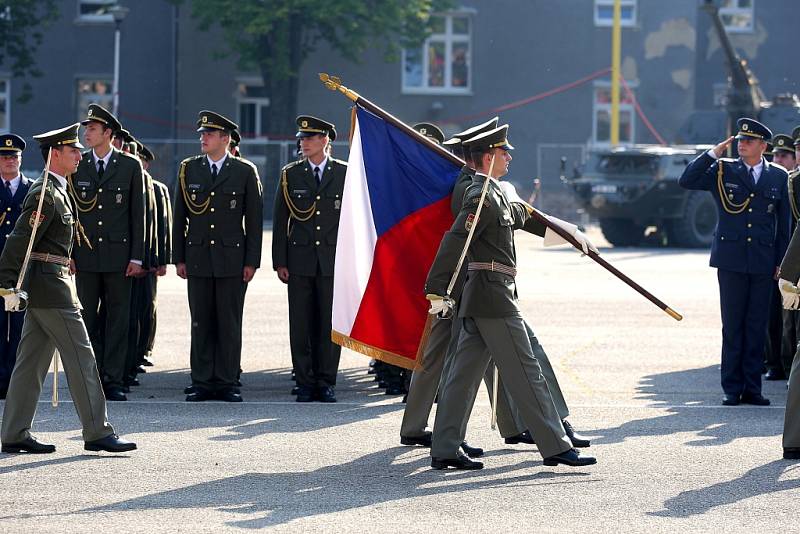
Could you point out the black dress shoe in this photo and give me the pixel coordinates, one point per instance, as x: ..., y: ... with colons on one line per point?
x: 305, y: 394
x: 775, y: 374
x: 141, y: 369
x: 295, y: 390
x: 423, y: 441
x: 472, y: 452
x: 326, y: 394
x: 146, y: 362
x: 115, y: 393
x: 755, y: 400
x: 238, y: 383
x: 200, y: 395
x: 3, y: 392
x: 730, y: 400
x: 578, y: 441
x: 570, y: 457
x: 189, y: 389
x: 229, y: 396
x: 29, y: 445
x: 405, y: 398
x: 132, y: 381
x: 459, y: 462
x: 525, y: 437
x: 112, y: 443
x: 789, y: 453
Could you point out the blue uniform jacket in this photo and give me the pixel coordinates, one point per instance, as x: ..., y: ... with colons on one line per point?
x: 12, y: 210
x: 755, y: 240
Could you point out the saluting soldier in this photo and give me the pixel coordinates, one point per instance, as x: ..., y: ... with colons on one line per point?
x: 12, y: 193
x: 108, y: 191
x: 53, y: 318
x: 491, y: 320
x: 217, y: 235
x: 751, y: 237
x: 305, y: 226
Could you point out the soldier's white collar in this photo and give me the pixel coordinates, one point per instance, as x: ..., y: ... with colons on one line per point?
x: 61, y: 180
x: 218, y: 163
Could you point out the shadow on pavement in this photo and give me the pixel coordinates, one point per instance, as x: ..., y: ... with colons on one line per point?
x: 694, y: 407
x: 758, y: 481
x: 278, y: 498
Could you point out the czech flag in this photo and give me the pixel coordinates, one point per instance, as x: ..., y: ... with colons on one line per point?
x: 395, y: 211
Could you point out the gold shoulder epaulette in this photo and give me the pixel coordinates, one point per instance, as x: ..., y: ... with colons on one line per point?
x: 293, y: 164
x: 246, y: 162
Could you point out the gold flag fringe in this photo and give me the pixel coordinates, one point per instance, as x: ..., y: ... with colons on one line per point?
x: 372, y: 352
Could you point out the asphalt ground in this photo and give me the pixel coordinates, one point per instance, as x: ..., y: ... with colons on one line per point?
x: 643, y: 386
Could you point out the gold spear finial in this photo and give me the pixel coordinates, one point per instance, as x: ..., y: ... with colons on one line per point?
x: 334, y: 83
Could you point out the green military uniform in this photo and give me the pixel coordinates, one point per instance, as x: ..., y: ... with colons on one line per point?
x: 112, y: 216
x: 53, y: 318
x: 491, y: 319
x: 791, y: 318
x: 790, y: 270
x: 217, y: 232
x: 305, y: 227
x: 164, y: 254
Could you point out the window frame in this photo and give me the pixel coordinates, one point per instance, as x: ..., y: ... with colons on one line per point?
x: 259, y: 102
x: 624, y: 22
x: 623, y: 108
x: 93, y: 78
x: 738, y: 10
x: 449, y: 39
x: 108, y: 18
x: 6, y: 128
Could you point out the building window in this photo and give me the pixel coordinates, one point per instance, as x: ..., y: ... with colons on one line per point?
x: 604, y: 12
x: 95, y: 10
x: 601, y: 128
x: 94, y: 91
x: 443, y: 64
x: 5, y: 103
x: 253, y: 106
x: 737, y: 15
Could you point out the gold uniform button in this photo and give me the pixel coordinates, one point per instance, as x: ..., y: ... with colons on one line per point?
x: 100, y: 190
x: 749, y: 225
x: 212, y: 210
x: 317, y: 212
x: 318, y: 197
x: 8, y: 209
x: 316, y: 243
x: 99, y: 223
x: 212, y: 226
x: 752, y: 195
x: 212, y: 241
x: 319, y: 228
x: 749, y: 210
x: 100, y: 206
x: 749, y: 239
x: 212, y: 193
x: 100, y: 239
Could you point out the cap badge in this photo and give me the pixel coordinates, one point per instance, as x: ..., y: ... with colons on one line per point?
x: 423, y: 131
x: 745, y: 127
x: 780, y: 142
x: 304, y: 124
x: 8, y: 142
x: 205, y: 119
x: 90, y: 111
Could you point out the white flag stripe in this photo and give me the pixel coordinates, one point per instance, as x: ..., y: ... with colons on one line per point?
x: 355, y: 246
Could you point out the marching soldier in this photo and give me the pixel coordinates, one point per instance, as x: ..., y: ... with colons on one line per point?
x: 791, y: 318
x: 53, y: 318
x: 217, y: 235
x: 305, y: 225
x: 12, y: 193
x: 491, y: 320
x: 439, y: 353
x: 750, y: 240
x: 108, y: 192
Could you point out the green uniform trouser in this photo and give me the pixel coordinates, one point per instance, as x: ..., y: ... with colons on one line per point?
x: 791, y: 422
x: 151, y: 337
x: 109, y: 339
x: 45, y: 330
x: 507, y: 340
x: 790, y: 337
x: 436, y: 361
x: 216, y: 306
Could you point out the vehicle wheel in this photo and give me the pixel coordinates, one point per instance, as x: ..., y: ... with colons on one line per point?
x: 696, y: 228
x: 622, y: 232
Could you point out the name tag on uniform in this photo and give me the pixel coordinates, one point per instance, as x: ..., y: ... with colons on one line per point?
x: 732, y: 186
x: 84, y: 184
x: 194, y: 187
x: 300, y: 192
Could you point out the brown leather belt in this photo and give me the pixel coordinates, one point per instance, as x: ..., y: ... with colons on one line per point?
x: 46, y: 257
x: 492, y: 266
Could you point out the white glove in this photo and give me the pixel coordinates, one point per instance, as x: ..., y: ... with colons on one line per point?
x: 510, y: 192
x: 15, y: 300
x: 551, y: 238
x: 790, y: 294
x: 441, y: 306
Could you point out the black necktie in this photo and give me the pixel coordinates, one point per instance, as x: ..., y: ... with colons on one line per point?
x: 214, y: 172
x: 9, y: 194
x: 100, y: 168
x: 316, y: 174
x: 752, y: 177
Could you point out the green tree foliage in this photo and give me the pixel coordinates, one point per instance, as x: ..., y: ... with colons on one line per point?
x: 275, y: 37
x: 21, y: 29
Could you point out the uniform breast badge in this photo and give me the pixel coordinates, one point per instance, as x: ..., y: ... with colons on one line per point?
x: 119, y: 198
x: 233, y: 204
x: 337, y: 204
x: 36, y: 219
x: 469, y: 222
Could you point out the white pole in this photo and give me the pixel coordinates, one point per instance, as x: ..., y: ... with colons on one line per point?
x: 116, y: 69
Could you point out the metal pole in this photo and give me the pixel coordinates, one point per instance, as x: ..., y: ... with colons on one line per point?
x: 616, y: 50
x: 116, y: 68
